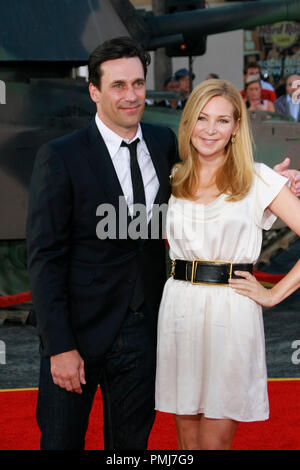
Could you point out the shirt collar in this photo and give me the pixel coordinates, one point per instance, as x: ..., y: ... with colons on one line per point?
x: 113, y: 141
x: 289, y: 100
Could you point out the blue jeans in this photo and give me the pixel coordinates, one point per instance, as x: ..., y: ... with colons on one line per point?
x: 126, y: 376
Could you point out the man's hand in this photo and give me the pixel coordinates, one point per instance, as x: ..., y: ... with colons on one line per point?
x: 67, y: 371
x: 292, y: 175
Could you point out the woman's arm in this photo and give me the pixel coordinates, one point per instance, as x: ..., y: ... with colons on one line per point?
x: 287, y: 207
x: 271, y: 107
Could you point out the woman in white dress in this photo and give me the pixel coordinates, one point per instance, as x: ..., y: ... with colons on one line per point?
x: 211, y: 369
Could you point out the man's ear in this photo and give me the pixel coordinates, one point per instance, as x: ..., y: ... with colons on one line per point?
x: 94, y: 93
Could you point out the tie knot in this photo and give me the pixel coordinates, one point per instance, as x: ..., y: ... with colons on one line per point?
x: 132, y: 145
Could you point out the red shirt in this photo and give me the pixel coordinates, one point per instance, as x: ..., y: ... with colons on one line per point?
x: 265, y: 94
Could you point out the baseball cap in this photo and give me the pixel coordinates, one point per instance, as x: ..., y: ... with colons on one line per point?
x: 182, y: 73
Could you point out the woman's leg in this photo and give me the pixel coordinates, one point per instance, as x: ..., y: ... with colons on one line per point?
x: 187, y: 431
x: 195, y: 432
x: 216, y: 434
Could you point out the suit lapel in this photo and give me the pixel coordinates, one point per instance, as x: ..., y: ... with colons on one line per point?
x: 102, y: 165
x: 286, y: 106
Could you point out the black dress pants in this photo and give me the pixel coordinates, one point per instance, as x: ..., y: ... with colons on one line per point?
x: 126, y: 376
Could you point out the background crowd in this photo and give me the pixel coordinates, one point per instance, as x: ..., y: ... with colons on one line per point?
x: 259, y: 94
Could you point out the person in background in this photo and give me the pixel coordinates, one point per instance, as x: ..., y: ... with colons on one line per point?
x: 171, y: 85
x: 252, y: 69
x: 285, y: 104
x: 212, y: 75
x: 253, y: 96
x: 184, y: 79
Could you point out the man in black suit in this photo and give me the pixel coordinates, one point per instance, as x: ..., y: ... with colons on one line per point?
x: 96, y: 284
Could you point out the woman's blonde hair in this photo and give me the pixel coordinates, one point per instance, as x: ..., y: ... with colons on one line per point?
x: 235, y: 177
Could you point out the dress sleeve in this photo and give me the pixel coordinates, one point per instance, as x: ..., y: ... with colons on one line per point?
x: 268, y: 185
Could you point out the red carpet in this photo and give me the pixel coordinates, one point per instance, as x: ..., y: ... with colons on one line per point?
x: 19, y: 431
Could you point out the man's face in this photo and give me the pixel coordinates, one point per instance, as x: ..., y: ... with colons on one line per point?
x: 120, y: 100
x: 292, y: 84
x: 184, y: 84
x: 253, y: 92
x: 173, y: 85
x: 252, y: 71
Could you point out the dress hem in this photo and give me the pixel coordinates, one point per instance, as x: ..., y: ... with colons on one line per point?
x: 211, y: 416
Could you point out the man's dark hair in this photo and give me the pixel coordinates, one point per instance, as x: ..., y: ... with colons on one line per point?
x: 116, y: 48
x: 251, y: 65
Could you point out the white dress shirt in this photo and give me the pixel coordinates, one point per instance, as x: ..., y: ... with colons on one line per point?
x: 121, y: 161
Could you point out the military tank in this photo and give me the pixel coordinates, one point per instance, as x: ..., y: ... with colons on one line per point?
x: 42, y: 43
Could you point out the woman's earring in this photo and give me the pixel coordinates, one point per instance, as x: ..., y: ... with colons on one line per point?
x: 232, y: 139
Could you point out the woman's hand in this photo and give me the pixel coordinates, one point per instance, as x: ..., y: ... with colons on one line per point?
x: 251, y: 288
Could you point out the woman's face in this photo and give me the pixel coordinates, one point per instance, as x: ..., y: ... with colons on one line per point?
x: 214, y: 128
x: 253, y: 92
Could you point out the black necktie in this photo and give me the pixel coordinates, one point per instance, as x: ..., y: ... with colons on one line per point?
x: 138, y: 198
x: 136, y: 175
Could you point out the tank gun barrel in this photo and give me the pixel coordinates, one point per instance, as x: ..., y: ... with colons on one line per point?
x: 244, y: 15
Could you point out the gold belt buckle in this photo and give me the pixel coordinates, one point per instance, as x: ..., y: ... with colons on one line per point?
x: 173, y: 264
x: 194, y: 268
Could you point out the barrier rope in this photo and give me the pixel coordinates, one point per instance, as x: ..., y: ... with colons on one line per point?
x: 267, y: 277
x: 17, y: 299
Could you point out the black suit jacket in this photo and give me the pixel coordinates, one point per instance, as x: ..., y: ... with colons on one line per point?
x: 82, y: 285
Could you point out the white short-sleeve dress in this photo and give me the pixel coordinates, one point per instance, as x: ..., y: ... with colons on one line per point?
x: 211, y: 345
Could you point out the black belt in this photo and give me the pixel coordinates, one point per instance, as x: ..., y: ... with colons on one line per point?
x: 208, y: 272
